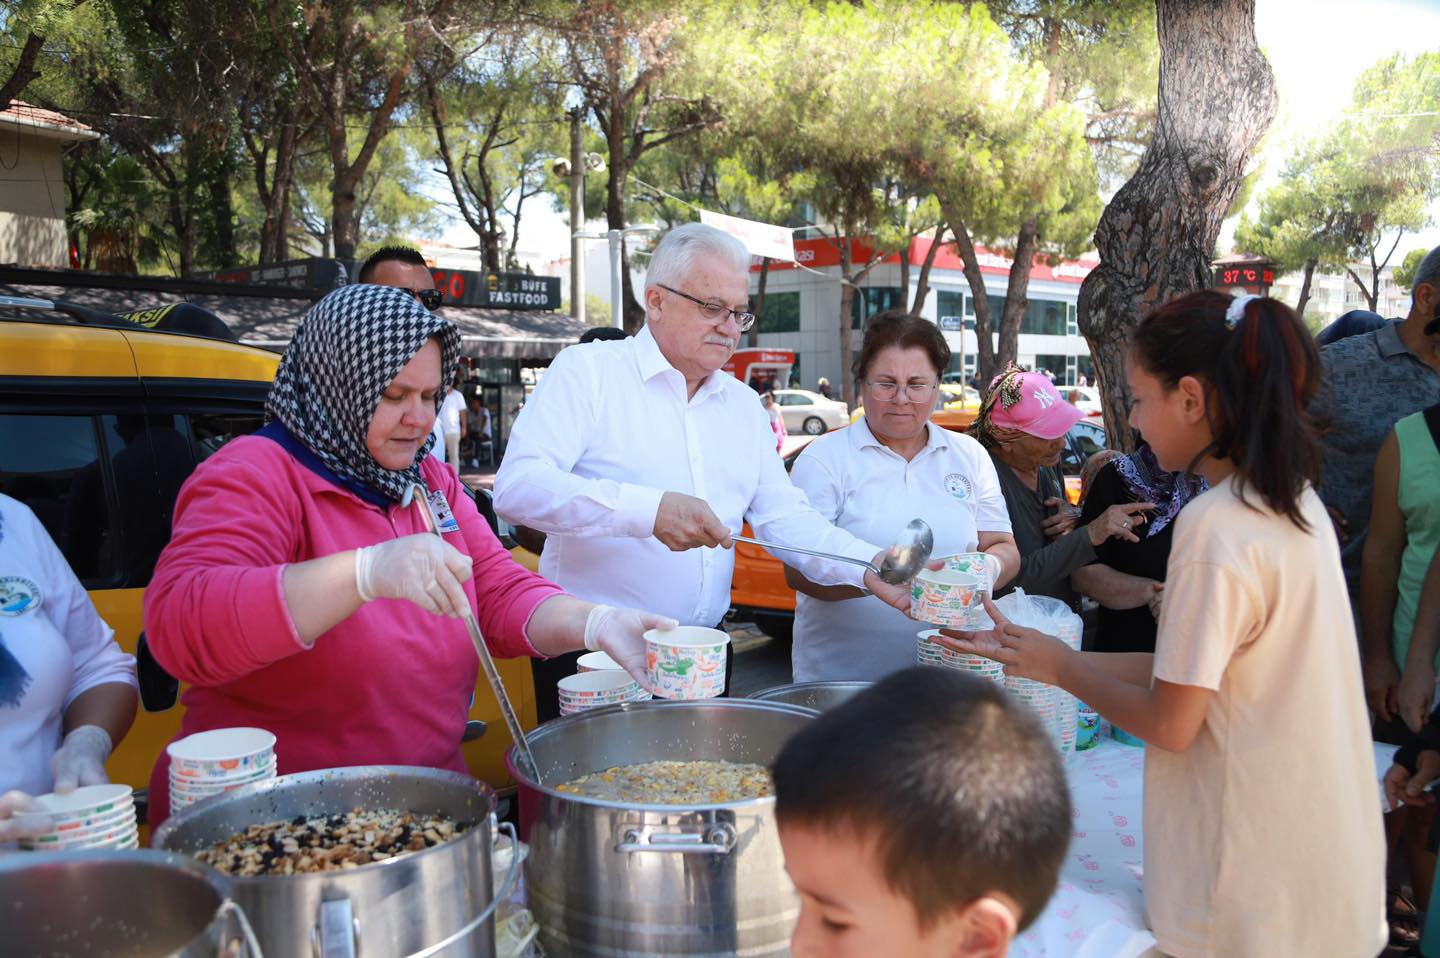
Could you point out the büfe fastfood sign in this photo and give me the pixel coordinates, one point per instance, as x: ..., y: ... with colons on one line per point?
x: 499, y: 290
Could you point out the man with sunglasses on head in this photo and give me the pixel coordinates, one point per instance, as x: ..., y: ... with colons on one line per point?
x: 640, y: 459
x: 404, y: 268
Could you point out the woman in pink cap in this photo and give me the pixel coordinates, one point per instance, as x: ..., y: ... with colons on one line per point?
x: 1023, y: 423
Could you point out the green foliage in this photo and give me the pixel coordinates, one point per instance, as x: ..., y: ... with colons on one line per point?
x: 1349, y: 195
x: 1405, y: 273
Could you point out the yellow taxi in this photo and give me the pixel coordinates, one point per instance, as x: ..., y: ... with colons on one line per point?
x: 101, y: 421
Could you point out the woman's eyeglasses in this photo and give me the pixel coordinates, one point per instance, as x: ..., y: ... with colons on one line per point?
x: 714, y: 311
x: 886, y: 390
x: 429, y: 298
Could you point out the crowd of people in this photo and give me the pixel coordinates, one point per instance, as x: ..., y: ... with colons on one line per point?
x: 1264, y: 562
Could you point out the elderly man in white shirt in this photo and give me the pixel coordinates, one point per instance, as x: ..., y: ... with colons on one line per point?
x: 639, y: 459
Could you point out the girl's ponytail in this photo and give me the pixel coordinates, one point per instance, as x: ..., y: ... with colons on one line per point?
x: 1262, y: 369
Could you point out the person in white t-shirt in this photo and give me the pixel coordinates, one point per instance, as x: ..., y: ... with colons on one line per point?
x: 67, y: 691
x: 452, y: 419
x: 1262, y: 818
x: 871, y: 479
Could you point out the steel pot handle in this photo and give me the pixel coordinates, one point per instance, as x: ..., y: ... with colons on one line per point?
x: 507, y: 887
x: 717, y: 839
x: 336, y: 934
x: 252, y: 944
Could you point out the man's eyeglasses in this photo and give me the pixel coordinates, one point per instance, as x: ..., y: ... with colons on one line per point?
x: 714, y: 311
x: 429, y: 298
x: 886, y: 390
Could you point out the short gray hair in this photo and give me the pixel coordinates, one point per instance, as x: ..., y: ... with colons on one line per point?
x: 675, y: 256
x: 1429, y: 270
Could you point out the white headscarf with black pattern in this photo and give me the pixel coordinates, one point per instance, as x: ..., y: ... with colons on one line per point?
x: 347, y: 350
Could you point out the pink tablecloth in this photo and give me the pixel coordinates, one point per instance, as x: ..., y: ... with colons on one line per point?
x: 1098, y: 910
x: 1099, y: 907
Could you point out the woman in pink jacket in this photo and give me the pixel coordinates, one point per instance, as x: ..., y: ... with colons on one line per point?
x: 298, y: 595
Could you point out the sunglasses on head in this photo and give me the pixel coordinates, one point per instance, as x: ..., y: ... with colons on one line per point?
x: 429, y: 298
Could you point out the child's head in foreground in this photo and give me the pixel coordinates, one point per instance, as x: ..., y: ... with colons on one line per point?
x: 925, y: 817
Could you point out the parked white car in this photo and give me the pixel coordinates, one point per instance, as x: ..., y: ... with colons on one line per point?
x: 1089, y: 402
x: 810, y: 413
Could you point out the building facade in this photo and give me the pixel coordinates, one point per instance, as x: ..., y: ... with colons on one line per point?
x: 32, y: 188
x: 802, y: 308
x: 1334, y: 294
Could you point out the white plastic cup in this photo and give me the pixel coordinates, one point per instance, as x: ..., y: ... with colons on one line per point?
x: 597, y: 662
x: 948, y: 597
x: 222, y: 753
x: 687, y: 662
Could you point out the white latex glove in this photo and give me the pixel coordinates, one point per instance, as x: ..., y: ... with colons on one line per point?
x: 420, y: 568
x: 620, y: 633
x: 11, y: 828
x: 80, y: 760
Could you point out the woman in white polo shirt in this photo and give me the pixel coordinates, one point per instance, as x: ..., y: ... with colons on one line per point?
x: 871, y: 479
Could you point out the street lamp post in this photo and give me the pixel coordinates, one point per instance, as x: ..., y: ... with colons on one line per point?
x: 577, y: 218
x: 574, y: 169
x: 616, y: 239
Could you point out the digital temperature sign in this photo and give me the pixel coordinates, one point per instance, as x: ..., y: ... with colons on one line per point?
x: 1226, y: 276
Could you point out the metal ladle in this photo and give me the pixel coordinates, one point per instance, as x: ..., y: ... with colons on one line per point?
x: 487, y: 664
x: 902, y: 562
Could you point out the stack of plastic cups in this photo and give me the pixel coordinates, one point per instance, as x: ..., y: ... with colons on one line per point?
x: 961, y: 661
x: 597, y: 689
x: 212, y: 763
x: 92, y: 818
x: 1041, y: 699
x: 1065, y: 703
x: 927, y: 652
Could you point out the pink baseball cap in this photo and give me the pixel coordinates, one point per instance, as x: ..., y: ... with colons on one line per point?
x: 1040, y: 412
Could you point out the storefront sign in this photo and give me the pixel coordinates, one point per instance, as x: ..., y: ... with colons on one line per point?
x: 500, y: 290
x: 313, y: 272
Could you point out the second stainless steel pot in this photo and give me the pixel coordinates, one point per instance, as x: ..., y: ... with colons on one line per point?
x: 811, y: 695
x: 123, y: 904
x: 389, y: 909
x: 606, y: 879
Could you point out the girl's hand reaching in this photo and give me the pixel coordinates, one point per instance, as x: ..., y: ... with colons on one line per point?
x: 1026, y: 653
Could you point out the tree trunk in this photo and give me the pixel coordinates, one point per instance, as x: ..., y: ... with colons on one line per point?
x: 985, y: 368
x: 905, y: 273
x: 1017, y: 295
x: 24, y: 71
x: 222, y: 209
x: 1156, y: 238
x: 1310, y: 265
x: 753, y: 337
x: 922, y: 285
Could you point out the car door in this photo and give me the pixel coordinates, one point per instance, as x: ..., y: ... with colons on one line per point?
x: 794, y: 409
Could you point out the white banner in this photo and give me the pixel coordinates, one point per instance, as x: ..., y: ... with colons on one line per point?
x: 761, y: 239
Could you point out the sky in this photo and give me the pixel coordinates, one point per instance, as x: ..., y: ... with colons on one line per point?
x: 1317, y: 49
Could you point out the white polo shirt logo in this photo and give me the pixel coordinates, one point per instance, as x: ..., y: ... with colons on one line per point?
x: 959, y: 486
x: 18, y: 595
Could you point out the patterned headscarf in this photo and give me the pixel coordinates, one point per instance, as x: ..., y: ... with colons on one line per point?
x: 1004, y: 389
x: 347, y: 350
x: 1147, y: 482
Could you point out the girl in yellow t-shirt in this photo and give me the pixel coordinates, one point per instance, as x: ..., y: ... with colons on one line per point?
x: 1262, y: 816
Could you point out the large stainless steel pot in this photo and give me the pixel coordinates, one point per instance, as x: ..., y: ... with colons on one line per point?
x: 436, y: 901
x: 819, y: 696
x: 123, y: 904
x: 606, y: 879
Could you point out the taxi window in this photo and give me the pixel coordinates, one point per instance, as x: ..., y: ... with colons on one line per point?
x: 52, y: 464
x: 211, y: 431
